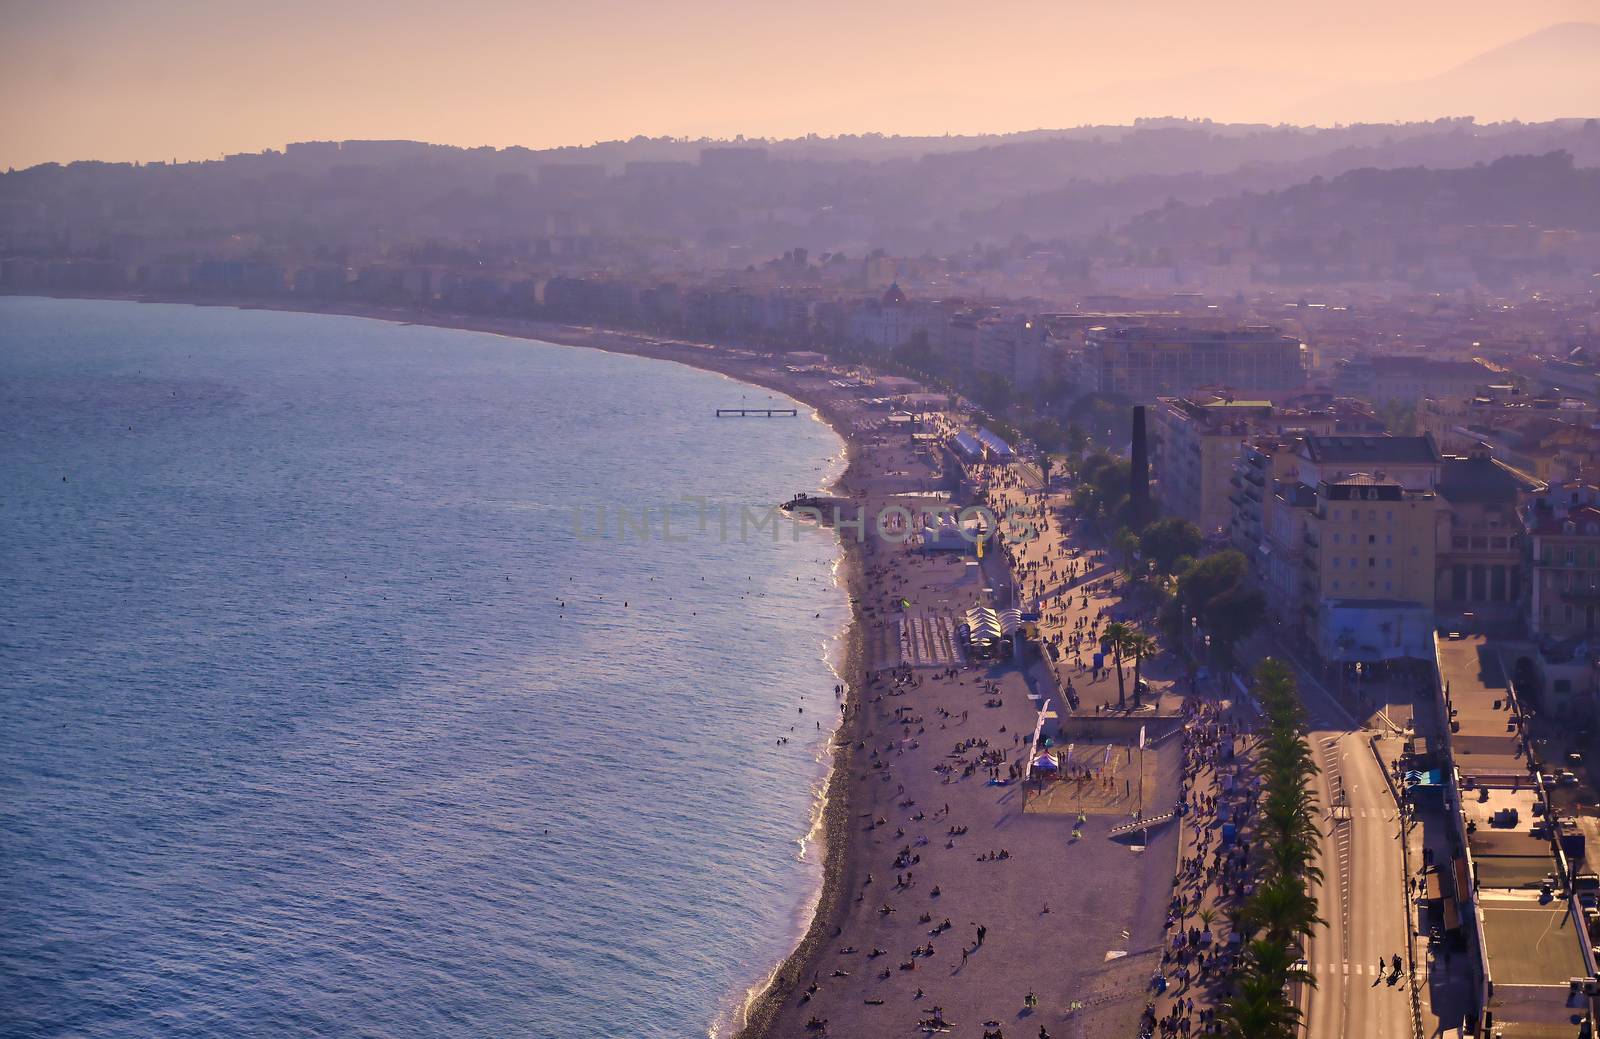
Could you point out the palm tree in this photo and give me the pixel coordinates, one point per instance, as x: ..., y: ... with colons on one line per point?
x: 1117, y: 634
x: 1140, y: 645
x: 1282, y: 911
x: 1127, y: 545
x: 1260, y: 1009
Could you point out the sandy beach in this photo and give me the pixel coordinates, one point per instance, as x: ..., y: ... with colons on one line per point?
x: 949, y: 899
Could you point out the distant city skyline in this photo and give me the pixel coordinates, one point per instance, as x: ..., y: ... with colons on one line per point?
x: 189, y: 81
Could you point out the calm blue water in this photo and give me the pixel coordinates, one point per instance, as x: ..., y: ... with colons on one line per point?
x: 289, y: 702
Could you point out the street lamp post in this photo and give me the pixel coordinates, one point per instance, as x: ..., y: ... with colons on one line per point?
x: 1194, y: 663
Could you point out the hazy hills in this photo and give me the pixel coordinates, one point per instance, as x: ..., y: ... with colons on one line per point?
x: 1162, y: 182
x: 1551, y: 74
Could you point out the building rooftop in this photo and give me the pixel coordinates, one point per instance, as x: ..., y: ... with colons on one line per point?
x: 1481, y: 480
x: 1396, y: 365
x: 1362, y: 450
x: 1531, y: 943
x: 1584, y: 520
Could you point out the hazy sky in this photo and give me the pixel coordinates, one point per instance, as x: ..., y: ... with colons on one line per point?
x: 141, y: 79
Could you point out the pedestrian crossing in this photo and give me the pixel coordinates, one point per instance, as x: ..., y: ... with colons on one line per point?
x: 1349, y: 970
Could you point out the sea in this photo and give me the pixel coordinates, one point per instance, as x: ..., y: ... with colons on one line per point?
x: 351, y: 683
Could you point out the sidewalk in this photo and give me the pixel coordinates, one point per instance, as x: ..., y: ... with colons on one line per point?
x: 1443, y: 974
x: 1214, y: 877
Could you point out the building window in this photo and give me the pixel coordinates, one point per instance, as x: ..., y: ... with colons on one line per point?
x: 1388, y: 586
x: 1388, y: 563
x: 1336, y: 538
x: 1388, y: 539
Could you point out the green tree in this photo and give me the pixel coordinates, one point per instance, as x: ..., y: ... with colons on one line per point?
x: 1233, y: 615
x: 1140, y: 645
x: 993, y: 391
x: 1217, y: 590
x: 915, y: 353
x: 1168, y: 540
x: 1116, y: 637
x: 1399, y: 417
x: 1282, y: 911
x: 1126, y: 543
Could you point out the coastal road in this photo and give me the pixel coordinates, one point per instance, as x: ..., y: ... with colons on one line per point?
x: 1362, y: 897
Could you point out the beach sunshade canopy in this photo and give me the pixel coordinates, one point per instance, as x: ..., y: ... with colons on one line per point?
x: 984, y: 626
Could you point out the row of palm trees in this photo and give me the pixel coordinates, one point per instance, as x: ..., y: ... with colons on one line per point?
x: 1127, y: 642
x: 1280, y: 915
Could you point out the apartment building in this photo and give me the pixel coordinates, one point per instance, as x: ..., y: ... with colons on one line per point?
x: 1564, y: 553
x: 1369, y: 568
x: 1413, y: 462
x: 1198, y: 441
x: 1146, y: 362
x: 1194, y: 446
x: 1458, y: 423
x: 1384, y: 377
x: 1481, y: 540
x: 1269, y: 510
x: 1342, y: 531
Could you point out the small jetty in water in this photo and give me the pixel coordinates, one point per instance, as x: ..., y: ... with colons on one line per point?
x: 821, y: 502
x: 758, y: 412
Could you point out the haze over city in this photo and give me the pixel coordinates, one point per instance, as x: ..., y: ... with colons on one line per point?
x: 145, y: 82
x: 628, y: 520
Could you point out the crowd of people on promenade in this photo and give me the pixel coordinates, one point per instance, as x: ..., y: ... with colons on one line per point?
x: 939, y: 728
x: 1217, y: 796
x: 1071, y: 587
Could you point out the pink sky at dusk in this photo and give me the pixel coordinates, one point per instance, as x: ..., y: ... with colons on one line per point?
x: 146, y: 81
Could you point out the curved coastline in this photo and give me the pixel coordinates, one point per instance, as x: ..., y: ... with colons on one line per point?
x: 758, y: 1010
